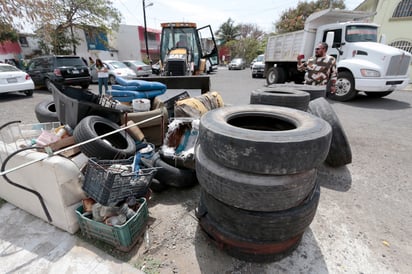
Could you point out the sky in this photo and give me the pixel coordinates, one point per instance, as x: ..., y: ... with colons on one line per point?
x: 263, y: 13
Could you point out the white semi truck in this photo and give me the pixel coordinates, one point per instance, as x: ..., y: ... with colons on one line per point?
x: 363, y: 63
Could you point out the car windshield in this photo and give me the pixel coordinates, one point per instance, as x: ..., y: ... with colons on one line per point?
x: 117, y: 64
x: 6, y: 68
x: 138, y: 63
x: 69, y: 61
x: 260, y: 58
x: 237, y: 60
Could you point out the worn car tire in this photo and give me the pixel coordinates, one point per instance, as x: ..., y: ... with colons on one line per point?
x: 340, y: 152
x: 262, y: 226
x: 314, y: 91
x: 246, y: 249
x: 264, y: 139
x: 255, y: 192
x: 285, y: 97
x: 46, y: 111
x: 115, y: 146
x: 170, y: 175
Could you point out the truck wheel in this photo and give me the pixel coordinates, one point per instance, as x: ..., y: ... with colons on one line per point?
x: 112, y: 80
x: 345, y: 87
x: 378, y: 94
x: 275, y: 75
x: 115, y: 146
x: 340, y: 152
x: 255, y: 192
x: 264, y: 139
x: 285, y: 97
x: 46, y: 111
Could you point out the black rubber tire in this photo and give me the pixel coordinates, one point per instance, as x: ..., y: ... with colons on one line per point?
x: 340, y: 152
x: 115, y: 146
x: 264, y: 139
x: 188, y: 162
x: 345, y: 87
x: 255, y: 192
x: 170, y: 175
x: 261, y: 226
x: 157, y: 186
x: 46, y: 111
x: 285, y: 97
x: 378, y: 94
x: 47, y: 83
x: 28, y: 93
x: 246, y: 249
x: 85, y: 86
x: 112, y: 80
x: 275, y: 75
x: 314, y: 91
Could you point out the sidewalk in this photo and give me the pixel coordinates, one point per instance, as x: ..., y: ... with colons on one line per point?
x: 30, y: 245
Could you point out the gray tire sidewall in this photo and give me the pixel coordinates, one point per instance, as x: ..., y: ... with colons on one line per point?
x: 314, y: 91
x: 250, y: 191
x: 285, y: 97
x: 108, y: 147
x: 340, y: 152
x: 262, y: 226
x: 46, y: 111
x: 275, y: 152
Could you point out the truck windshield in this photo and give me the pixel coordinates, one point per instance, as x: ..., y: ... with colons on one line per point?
x: 360, y: 33
x: 179, y: 37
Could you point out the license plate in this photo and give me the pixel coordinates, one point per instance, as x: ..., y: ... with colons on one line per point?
x: 11, y: 80
x: 75, y: 71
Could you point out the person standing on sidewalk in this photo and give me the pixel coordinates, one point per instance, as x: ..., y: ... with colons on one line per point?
x: 102, y: 77
x: 322, y: 68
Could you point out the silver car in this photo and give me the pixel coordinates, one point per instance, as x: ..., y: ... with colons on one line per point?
x: 237, y: 63
x: 140, y: 68
x: 116, y: 68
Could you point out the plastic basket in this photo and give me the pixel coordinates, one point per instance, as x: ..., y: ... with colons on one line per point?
x: 122, y: 237
x: 108, y: 185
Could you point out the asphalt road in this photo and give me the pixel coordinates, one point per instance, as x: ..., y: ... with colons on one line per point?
x: 364, y: 219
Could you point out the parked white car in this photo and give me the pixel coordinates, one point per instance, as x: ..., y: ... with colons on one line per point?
x: 13, y: 79
x: 116, y: 68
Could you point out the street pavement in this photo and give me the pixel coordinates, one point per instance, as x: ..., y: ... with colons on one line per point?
x: 30, y: 245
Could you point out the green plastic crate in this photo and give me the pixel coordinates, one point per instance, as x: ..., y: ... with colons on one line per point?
x: 122, y: 237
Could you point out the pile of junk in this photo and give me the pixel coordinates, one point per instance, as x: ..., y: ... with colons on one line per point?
x: 93, y: 161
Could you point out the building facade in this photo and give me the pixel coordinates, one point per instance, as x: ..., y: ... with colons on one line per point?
x: 395, y: 20
x: 128, y: 43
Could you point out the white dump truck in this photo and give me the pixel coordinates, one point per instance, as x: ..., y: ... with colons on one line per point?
x: 363, y: 63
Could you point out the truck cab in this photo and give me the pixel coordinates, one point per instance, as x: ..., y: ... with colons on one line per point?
x: 363, y: 63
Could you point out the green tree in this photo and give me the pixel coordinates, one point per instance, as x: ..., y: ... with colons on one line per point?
x: 294, y: 18
x: 12, y: 10
x: 227, y: 32
x: 65, y: 16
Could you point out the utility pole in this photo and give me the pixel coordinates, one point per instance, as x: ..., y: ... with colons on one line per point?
x: 145, y: 30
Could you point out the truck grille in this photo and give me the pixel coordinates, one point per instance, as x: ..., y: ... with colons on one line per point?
x: 398, y: 65
x: 176, y: 68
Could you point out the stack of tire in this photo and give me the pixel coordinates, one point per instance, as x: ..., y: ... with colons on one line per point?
x: 257, y: 166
